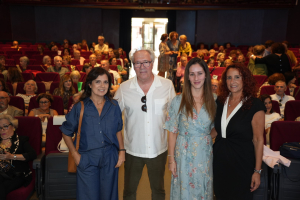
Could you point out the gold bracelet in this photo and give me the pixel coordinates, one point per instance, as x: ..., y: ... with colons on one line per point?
x: 172, y: 162
x: 171, y: 156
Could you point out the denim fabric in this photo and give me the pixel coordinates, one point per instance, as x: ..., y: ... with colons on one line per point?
x: 96, y: 131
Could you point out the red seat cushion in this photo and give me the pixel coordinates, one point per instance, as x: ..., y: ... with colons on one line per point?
x: 292, y: 110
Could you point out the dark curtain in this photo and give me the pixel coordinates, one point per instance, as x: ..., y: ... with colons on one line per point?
x: 171, y: 20
x: 125, y: 30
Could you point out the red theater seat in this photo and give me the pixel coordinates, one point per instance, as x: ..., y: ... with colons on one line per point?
x: 269, y: 89
x: 292, y: 110
x: 282, y: 132
x: 53, y: 137
x: 17, y: 102
x: 40, y: 85
x: 47, y: 76
x: 275, y: 106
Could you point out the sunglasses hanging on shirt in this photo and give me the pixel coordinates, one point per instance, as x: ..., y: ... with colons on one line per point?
x: 144, y: 107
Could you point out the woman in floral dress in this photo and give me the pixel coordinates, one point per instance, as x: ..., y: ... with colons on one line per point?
x: 189, y: 121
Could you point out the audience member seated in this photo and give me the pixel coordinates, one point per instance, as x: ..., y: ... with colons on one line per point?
x: 15, y: 77
x: 232, y: 55
x: 75, y: 76
x: 216, y: 46
x: 227, y: 62
x: 222, y: 50
x: 79, y: 46
x: 65, y: 90
x: 290, y: 54
x: 15, y: 151
x: 93, y: 61
x: 111, y: 52
x: 277, y: 62
x: 87, y: 68
x: 117, y: 78
x: 227, y: 45
x: 84, y: 46
x: 77, y: 56
x: 117, y: 56
x: 214, y: 85
x: 66, y: 52
x: 8, y: 109
x: 44, y: 111
x: 212, y: 53
x: 122, y: 53
x: 101, y: 46
x: 58, y: 67
x: 280, y: 96
x: 24, y: 62
x: 258, y: 69
x: 40, y: 49
x: 202, y: 49
x: 290, y: 79
x: 54, y: 48
x: 181, y: 68
x: 210, y: 62
x: 270, y: 115
x: 241, y: 59
x: 3, y: 71
x: 30, y: 89
x: 76, y: 98
x: 2, y: 60
x: 98, y: 54
x: 3, y: 87
x: 272, y: 80
x: 74, y: 47
x: 200, y: 54
x: 16, y: 45
x: 121, y: 70
x: 297, y: 119
x: 238, y: 52
x: 184, y: 46
x: 66, y: 61
x: 47, y: 62
x: 221, y: 59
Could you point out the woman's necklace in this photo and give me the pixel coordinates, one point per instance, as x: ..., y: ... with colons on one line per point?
x: 5, y: 145
x: 232, y: 102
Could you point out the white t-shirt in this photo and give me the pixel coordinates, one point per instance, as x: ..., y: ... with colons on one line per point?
x: 269, y: 119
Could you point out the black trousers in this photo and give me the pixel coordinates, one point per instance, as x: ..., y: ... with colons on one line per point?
x: 6, y: 186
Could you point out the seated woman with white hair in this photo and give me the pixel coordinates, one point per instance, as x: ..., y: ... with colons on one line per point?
x: 75, y: 76
x: 47, y: 62
x: 221, y: 59
x: 212, y: 53
x: 30, y: 88
x: 24, y: 61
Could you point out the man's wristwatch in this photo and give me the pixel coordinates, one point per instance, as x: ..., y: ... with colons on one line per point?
x: 15, y: 157
x: 258, y: 171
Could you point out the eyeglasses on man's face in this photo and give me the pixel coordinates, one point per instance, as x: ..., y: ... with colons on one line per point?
x: 140, y: 64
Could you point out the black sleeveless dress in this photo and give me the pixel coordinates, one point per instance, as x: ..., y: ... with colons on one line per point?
x: 234, y: 156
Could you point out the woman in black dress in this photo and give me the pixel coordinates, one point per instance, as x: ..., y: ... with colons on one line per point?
x: 239, y: 126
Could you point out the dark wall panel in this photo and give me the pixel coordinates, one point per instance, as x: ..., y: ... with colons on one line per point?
x: 156, y: 14
x: 185, y: 24
x: 23, y: 23
x: 111, y: 26
x: 293, y: 28
x: 275, y: 25
x: 207, y: 26
x: 6, y: 33
x: 75, y: 24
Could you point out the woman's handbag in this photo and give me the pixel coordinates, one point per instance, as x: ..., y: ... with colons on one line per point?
x: 72, y: 168
x: 290, y: 150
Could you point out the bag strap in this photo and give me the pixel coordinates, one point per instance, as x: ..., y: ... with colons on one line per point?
x: 297, y: 92
x: 79, y: 126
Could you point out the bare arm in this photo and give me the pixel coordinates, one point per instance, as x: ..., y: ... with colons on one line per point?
x: 171, y: 150
x: 121, y: 146
x: 213, y: 133
x: 258, y: 124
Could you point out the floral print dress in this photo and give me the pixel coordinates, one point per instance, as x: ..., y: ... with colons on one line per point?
x: 193, y: 153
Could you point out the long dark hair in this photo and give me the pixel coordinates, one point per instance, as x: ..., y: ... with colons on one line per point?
x: 263, y: 97
x: 4, y: 86
x: 94, y: 73
x: 188, y: 102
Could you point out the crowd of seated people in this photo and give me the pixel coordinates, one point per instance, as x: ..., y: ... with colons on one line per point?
x: 275, y: 60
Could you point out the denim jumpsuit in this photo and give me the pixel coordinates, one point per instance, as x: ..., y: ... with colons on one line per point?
x: 97, y: 177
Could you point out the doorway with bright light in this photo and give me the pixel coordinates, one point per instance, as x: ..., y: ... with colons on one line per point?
x: 146, y: 32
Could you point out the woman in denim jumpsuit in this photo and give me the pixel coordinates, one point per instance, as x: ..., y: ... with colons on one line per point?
x: 97, y: 159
